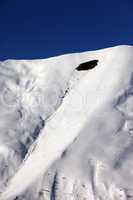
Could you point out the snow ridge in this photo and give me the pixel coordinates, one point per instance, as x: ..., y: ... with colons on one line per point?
x: 84, y: 142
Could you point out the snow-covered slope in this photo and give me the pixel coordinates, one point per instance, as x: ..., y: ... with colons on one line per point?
x: 67, y: 134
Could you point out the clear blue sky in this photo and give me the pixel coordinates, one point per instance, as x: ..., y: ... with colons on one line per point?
x: 41, y: 28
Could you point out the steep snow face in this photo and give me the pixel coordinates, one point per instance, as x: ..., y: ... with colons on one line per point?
x: 30, y: 91
x: 80, y: 119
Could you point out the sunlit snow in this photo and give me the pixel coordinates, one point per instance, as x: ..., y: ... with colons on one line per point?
x: 67, y: 134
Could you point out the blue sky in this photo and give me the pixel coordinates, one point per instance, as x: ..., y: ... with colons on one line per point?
x: 40, y: 29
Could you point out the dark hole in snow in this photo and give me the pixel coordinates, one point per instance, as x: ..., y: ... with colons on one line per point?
x: 87, y: 65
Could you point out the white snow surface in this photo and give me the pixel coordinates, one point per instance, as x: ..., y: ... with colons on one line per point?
x: 67, y: 134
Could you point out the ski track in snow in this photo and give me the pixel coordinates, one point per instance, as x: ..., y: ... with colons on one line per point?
x: 76, y: 127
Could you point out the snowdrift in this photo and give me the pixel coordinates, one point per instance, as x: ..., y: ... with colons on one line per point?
x: 67, y: 127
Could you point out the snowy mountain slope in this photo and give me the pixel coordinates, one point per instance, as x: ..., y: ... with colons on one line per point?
x: 90, y: 134
x: 30, y: 92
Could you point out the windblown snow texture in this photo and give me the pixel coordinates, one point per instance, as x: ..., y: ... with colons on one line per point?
x: 67, y: 127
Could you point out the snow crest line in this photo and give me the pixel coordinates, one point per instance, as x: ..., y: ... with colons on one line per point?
x: 99, y: 88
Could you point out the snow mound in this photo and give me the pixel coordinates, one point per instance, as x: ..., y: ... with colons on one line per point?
x: 67, y: 134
